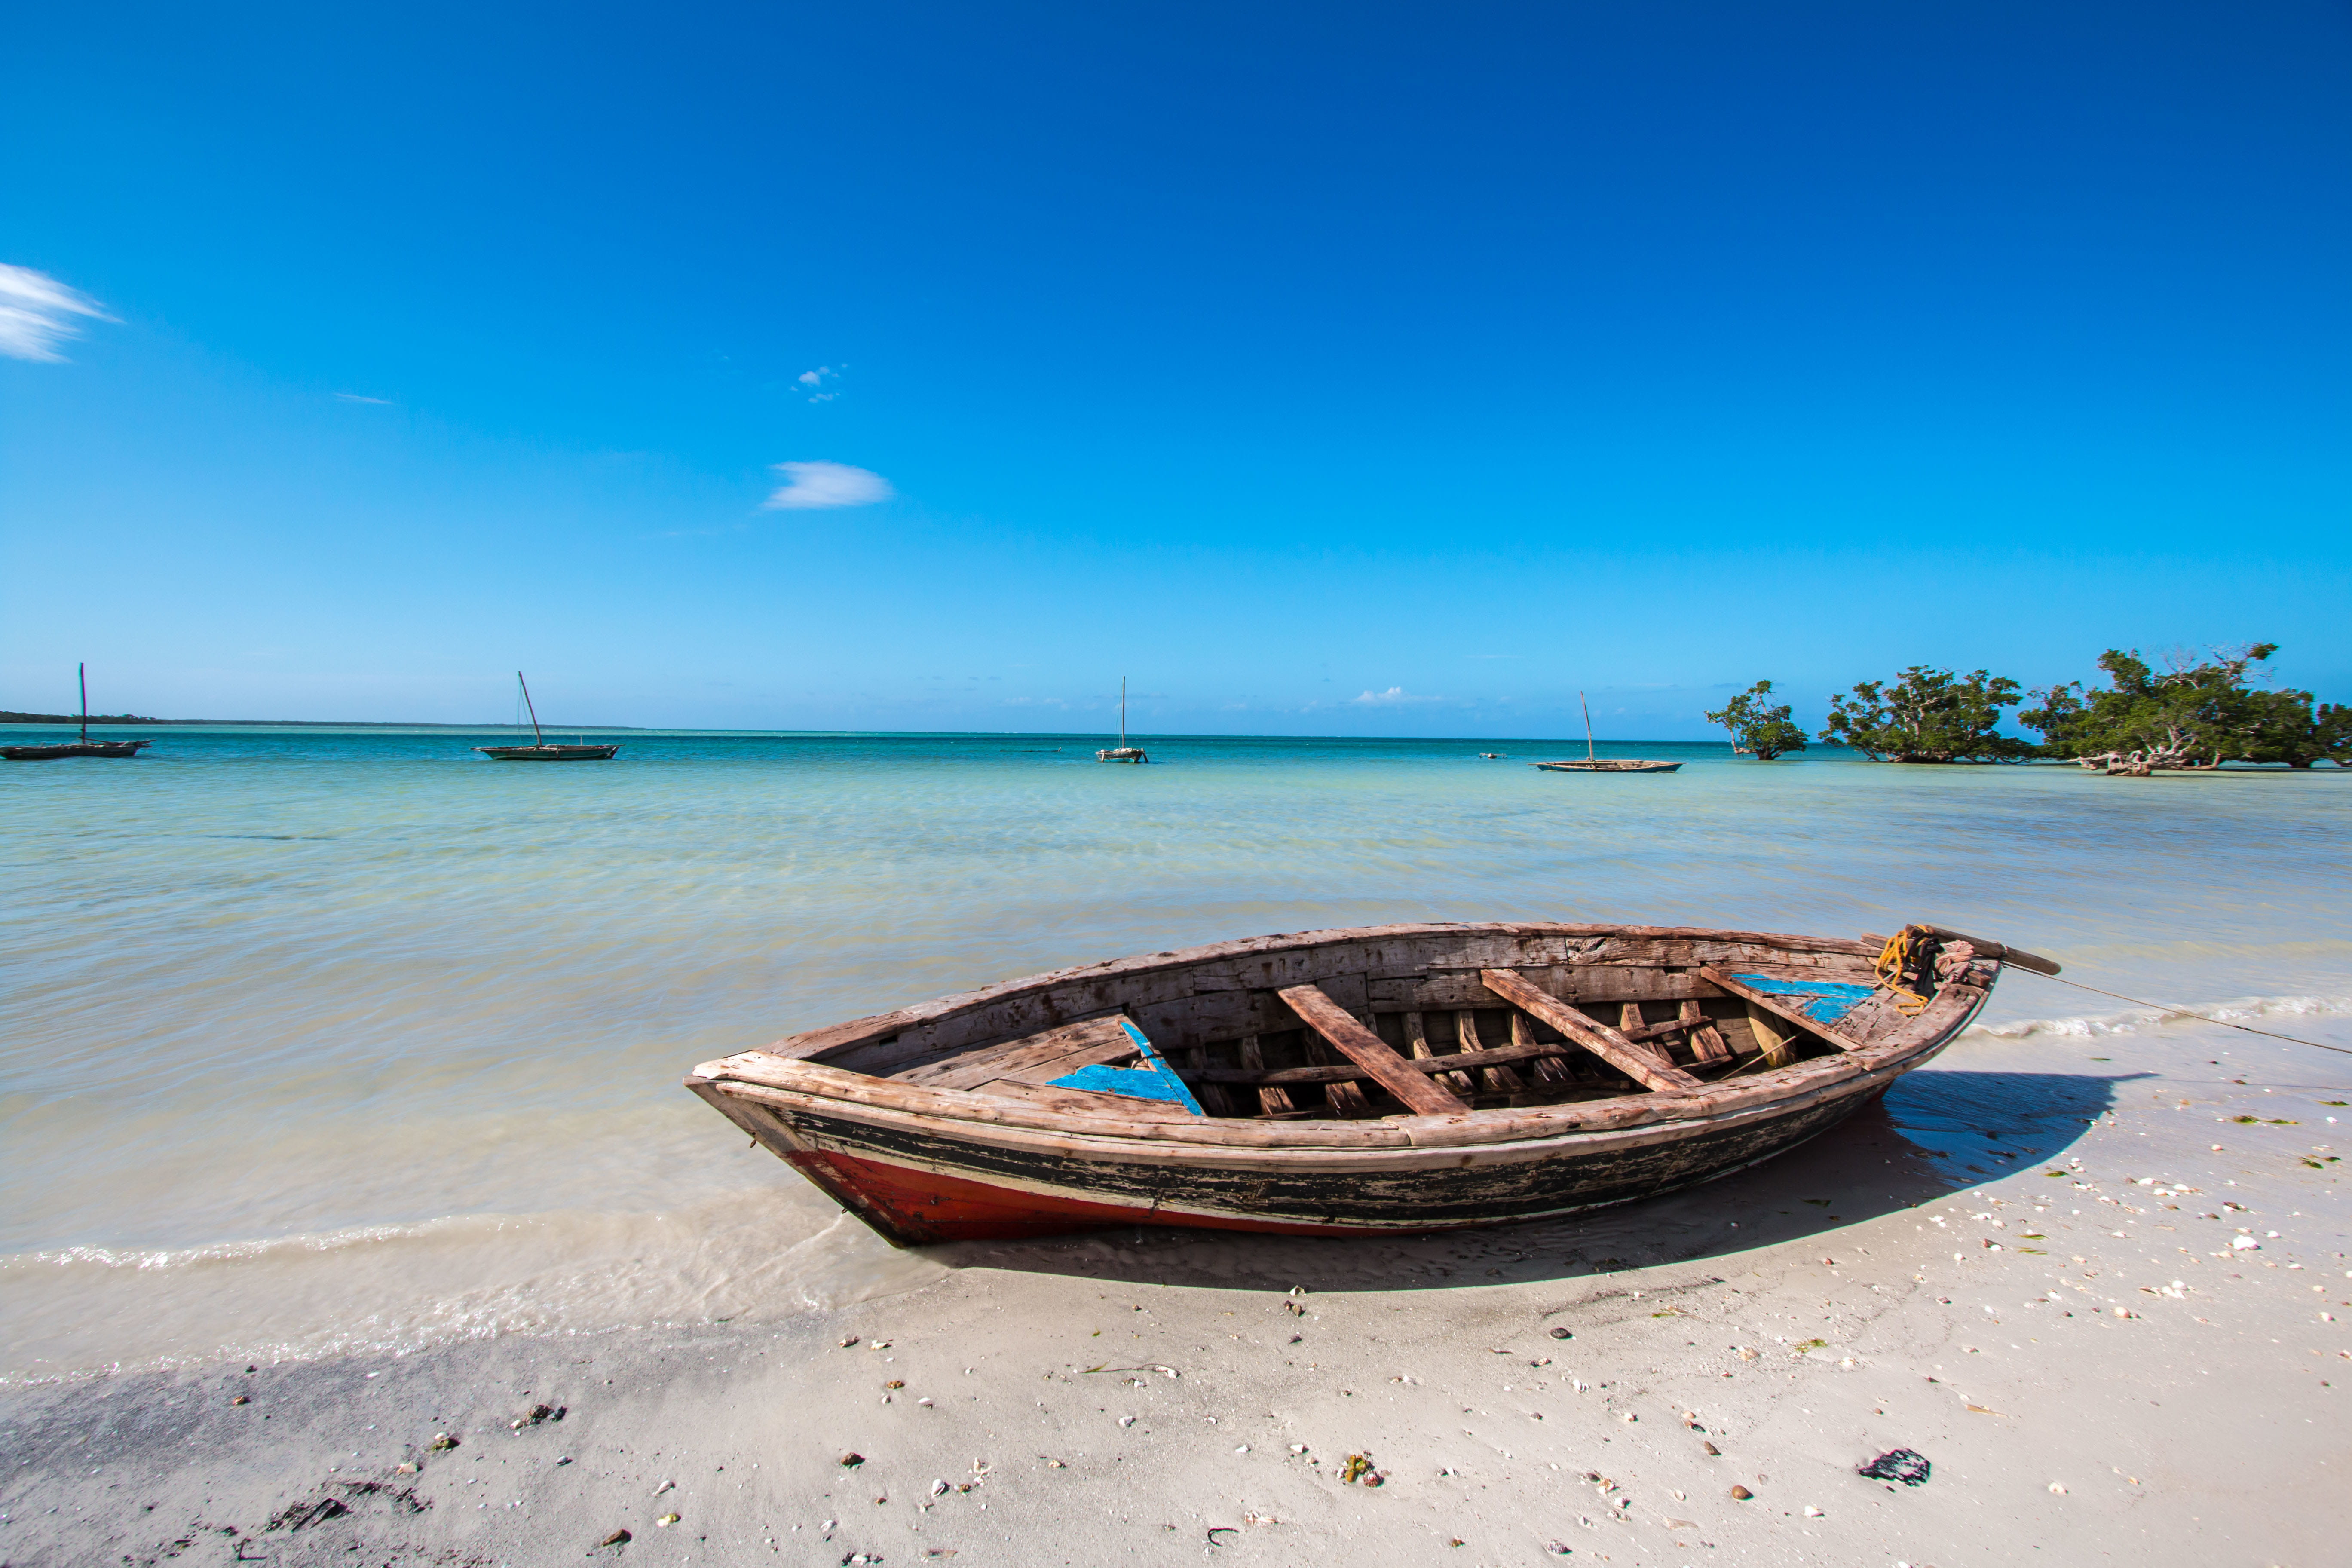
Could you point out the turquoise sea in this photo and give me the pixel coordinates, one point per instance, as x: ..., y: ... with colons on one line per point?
x: 322, y: 1039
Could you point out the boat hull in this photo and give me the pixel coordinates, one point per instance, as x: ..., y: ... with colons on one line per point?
x: 549, y: 753
x: 888, y: 1115
x: 917, y: 1188
x: 73, y: 748
x: 1609, y: 765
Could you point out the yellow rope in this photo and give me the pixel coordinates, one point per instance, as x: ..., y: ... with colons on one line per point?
x: 1892, y: 960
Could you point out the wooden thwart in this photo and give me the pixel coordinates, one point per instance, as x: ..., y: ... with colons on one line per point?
x: 1634, y: 1061
x: 1369, y: 1051
x: 1781, y: 1007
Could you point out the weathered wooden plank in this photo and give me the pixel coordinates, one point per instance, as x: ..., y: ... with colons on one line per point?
x: 1369, y: 1051
x: 1496, y: 1080
x: 1775, y: 1035
x: 1049, y: 1055
x: 1417, y: 1036
x: 1592, y: 1034
x: 1344, y: 1096
x: 1548, y: 1069
x: 1270, y: 1101
x: 1084, y: 1102
x: 1636, y: 1028
x: 1581, y: 983
x: 1440, y: 1068
x: 1213, y: 1097
x: 1781, y: 1006
x: 1706, y: 1042
x: 2001, y: 951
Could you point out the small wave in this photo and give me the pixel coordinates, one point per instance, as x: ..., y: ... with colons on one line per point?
x: 2136, y: 1020
x: 393, y: 1288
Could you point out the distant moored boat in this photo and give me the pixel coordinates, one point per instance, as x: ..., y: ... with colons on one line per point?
x: 85, y: 747
x: 543, y: 751
x: 1122, y: 753
x: 1591, y: 763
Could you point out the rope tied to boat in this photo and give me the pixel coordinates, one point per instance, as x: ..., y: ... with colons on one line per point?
x: 1896, y: 960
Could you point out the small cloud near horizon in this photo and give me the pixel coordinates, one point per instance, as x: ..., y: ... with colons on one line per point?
x: 34, y: 309
x: 810, y: 486
x: 1394, y: 694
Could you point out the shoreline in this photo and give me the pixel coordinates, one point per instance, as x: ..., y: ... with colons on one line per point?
x: 1803, y: 1335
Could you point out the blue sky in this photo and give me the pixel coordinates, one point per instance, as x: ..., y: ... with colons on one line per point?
x: 1382, y: 370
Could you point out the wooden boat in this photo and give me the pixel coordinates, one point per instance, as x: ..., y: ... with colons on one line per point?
x: 1591, y: 764
x: 544, y: 750
x: 1389, y: 1078
x: 1608, y: 766
x: 53, y: 751
x: 1122, y: 753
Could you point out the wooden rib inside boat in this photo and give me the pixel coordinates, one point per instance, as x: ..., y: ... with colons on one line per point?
x: 1402, y: 1078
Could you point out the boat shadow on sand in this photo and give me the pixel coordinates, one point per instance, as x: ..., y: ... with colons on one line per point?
x: 1934, y: 1133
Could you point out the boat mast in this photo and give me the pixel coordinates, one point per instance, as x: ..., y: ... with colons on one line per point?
x: 537, y: 739
x: 81, y: 678
x: 1122, y: 712
x: 1588, y: 725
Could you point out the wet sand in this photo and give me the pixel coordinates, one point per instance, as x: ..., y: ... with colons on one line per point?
x: 1167, y: 1397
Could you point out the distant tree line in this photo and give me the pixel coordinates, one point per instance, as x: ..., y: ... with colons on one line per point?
x: 8, y: 717
x: 2190, y: 713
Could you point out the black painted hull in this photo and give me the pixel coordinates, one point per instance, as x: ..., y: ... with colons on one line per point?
x: 73, y: 748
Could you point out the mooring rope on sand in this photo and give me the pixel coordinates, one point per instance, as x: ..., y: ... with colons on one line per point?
x: 2185, y: 1013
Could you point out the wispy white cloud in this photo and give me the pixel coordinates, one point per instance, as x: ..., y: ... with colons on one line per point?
x: 810, y: 485
x: 355, y: 397
x: 37, y: 312
x: 1392, y: 695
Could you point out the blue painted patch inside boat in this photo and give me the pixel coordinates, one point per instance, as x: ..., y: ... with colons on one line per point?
x: 1826, y: 1001
x: 1152, y: 1081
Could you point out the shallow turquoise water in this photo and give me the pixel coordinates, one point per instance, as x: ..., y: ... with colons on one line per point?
x: 316, y: 1038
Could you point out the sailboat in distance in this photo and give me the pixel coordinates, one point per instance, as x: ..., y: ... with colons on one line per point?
x: 542, y: 750
x: 1122, y: 753
x: 1591, y: 763
x: 85, y: 747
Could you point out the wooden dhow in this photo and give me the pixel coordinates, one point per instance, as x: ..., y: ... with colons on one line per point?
x: 1122, y: 753
x: 57, y: 750
x: 1592, y: 763
x: 542, y: 749
x: 1387, y: 1079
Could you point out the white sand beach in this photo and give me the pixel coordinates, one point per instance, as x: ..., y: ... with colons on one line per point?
x: 2093, y: 1363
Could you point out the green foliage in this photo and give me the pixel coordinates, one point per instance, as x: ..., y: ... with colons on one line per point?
x: 1927, y: 715
x: 1757, y: 730
x: 2189, y: 715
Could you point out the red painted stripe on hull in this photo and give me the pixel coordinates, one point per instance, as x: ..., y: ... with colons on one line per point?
x: 912, y: 1207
